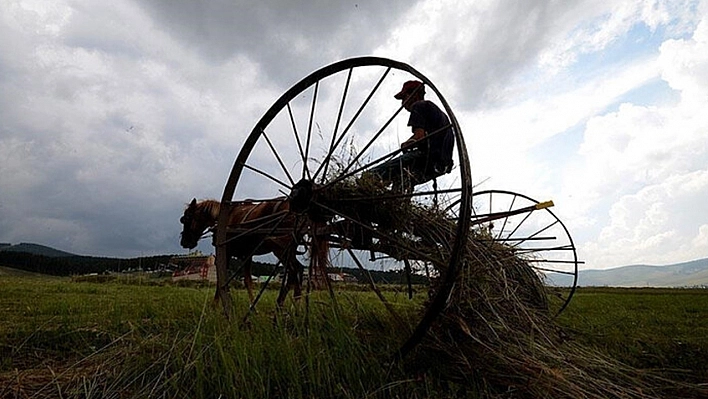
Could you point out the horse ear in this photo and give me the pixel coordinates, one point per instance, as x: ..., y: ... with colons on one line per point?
x: 194, y: 202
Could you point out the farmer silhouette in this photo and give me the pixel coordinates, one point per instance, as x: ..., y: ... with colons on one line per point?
x: 428, y: 153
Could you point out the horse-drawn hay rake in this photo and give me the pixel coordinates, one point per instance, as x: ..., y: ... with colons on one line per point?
x: 309, y: 153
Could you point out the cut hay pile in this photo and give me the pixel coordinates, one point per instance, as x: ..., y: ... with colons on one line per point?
x: 497, y: 336
x: 497, y: 332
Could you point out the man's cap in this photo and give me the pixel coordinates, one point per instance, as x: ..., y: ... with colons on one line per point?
x: 410, y: 87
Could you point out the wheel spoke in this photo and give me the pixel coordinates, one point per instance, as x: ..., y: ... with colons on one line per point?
x: 297, y: 136
x: 277, y: 157
x: 305, y: 168
x: 399, y: 244
x: 376, y: 161
x: 325, y: 163
x: 353, y: 172
x: 307, y: 297
x: 356, y: 115
x: 490, y: 203
x: 252, y: 307
x: 518, y: 225
x: 456, y: 203
x: 535, y: 234
x: 256, y: 247
x: 366, y: 166
x: 543, y: 249
x: 506, y: 219
x: 234, y: 274
x: 263, y: 223
x: 373, y: 286
x: 260, y: 172
x: 520, y: 239
x: 407, y: 266
x: 373, y: 139
x: 553, y: 270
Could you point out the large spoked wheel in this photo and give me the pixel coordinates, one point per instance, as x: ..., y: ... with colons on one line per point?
x: 313, y: 149
x: 536, y: 235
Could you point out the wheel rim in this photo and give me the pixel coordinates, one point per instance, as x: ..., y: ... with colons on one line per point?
x: 318, y: 134
x: 538, y: 236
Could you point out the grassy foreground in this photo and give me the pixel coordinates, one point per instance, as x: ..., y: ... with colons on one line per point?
x: 60, y: 338
x: 648, y: 328
x: 132, y: 338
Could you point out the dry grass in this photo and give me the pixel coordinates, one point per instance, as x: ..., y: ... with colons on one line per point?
x: 497, y: 335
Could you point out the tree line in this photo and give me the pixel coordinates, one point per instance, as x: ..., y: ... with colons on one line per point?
x: 79, y: 265
x: 73, y: 265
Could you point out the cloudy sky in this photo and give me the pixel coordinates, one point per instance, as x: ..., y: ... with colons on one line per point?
x: 115, y: 114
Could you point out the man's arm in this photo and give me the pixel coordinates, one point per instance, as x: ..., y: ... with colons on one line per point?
x: 418, y: 134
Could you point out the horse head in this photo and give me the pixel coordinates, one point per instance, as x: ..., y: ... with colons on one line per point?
x: 197, y: 218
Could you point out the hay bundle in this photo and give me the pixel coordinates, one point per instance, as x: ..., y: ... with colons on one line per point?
x: 496, y: 335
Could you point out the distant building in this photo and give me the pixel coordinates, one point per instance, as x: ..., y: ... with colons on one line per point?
x: 336, y: 277
x: 348, y: 278
x: 193, y: 267
x: 4, y: 245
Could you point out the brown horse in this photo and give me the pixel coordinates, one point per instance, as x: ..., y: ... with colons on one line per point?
x: 251, y: 219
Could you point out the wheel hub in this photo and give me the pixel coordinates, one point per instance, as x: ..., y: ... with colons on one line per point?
x: 301, y: 196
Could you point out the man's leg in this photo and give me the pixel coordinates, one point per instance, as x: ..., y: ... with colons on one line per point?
x: 399, y: 169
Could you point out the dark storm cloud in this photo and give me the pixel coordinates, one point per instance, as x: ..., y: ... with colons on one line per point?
x: 286, y: 38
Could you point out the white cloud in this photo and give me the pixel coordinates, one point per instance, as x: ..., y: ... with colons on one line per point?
x: 701, y: 240
x: 649, y: 163
x: 529, y: 96
x: 685, y: 67
x: 596, y: 25
x: 661, y: 223
x: 116, y: 114
x: 496, y: 135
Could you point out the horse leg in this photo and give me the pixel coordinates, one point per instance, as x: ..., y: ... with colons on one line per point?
x: 222, y: 285
x: 284, y: 287
x: 297, y: 270
x: 247, y: 280
x: 294, y: 271
x: 220, y: 278
x: 286, y: 254
x: 293, y: 280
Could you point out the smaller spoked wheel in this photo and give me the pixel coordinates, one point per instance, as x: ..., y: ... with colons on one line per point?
x: 535, y: 234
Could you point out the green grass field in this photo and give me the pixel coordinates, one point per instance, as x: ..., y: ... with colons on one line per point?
x: 134, y: 338
x: 644, y: 327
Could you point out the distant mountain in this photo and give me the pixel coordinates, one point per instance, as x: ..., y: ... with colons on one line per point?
x: 36, y: 249
x: 687, y: 274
